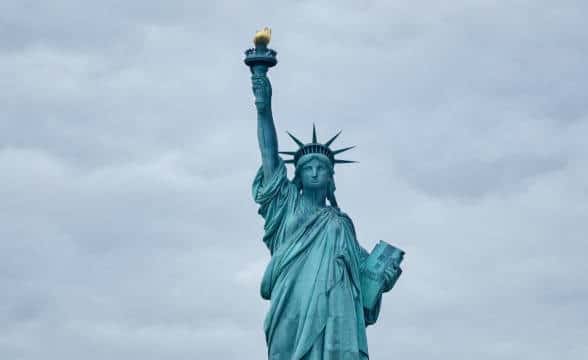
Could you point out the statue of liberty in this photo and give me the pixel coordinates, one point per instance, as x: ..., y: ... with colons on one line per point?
x: 320, y: 281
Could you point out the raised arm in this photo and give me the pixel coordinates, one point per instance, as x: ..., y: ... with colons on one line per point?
x: 266, y: 130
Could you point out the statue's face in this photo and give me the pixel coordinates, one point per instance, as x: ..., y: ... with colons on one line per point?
x: 315, y: 174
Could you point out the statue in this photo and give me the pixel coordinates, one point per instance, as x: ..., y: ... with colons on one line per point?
x: 324, y: 288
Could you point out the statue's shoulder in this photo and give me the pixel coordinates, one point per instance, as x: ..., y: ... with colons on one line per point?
x: 340, y: 216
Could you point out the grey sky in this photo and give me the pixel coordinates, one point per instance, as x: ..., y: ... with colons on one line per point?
x: 128, y: 145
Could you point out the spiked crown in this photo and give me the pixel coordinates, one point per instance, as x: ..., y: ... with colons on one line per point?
x: 315, y: 147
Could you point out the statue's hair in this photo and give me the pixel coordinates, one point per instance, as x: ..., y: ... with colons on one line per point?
x: 330, y: 186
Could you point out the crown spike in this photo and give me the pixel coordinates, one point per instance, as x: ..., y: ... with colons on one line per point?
x: 328, y: 143
x: 314, y: 147
x: 300, y: 143
x: 335, y: 152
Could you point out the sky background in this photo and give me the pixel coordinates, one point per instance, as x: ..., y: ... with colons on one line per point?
x: 128, y: 146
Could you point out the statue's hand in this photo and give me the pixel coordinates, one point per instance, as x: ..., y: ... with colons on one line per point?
x: 391, y: 275
x: 262, y: 89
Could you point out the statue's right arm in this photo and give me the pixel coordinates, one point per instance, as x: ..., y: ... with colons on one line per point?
x: 266, y: 130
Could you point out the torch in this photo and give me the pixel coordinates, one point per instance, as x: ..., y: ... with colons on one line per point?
x: 261, y: 58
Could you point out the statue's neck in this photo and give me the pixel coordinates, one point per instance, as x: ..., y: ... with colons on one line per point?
x: 313, y: 198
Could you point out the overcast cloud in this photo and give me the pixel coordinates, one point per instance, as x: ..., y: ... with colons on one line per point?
x: 128, y: 146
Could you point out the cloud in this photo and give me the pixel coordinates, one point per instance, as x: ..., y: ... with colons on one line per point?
x: 128, y: 146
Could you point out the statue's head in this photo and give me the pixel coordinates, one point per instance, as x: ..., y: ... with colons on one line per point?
x: 315, y: 163
x: 314, y: 171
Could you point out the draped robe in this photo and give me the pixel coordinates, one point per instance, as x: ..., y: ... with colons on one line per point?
x: 312, y: 279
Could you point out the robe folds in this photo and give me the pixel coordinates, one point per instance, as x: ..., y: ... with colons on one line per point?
x: 312, y: 279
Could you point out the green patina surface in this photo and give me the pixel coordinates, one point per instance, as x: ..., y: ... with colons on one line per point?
x: 314, y: 279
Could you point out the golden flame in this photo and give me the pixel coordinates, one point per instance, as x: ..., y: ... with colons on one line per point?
x: 262, y: 37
